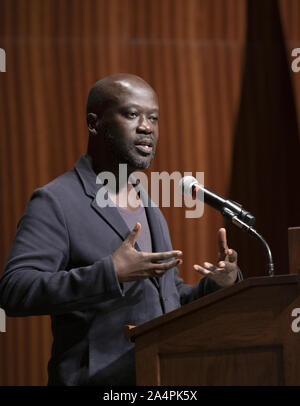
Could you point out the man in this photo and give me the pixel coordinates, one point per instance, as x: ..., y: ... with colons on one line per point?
x: 95, y: 269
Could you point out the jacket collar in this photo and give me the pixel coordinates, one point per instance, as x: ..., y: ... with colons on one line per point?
x: 87, y: 175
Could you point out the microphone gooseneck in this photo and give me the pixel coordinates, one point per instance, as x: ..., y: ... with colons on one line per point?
x: 250, y: 230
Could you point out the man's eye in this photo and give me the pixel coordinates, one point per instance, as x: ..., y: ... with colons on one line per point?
x: 131, y: 114
x: 153, y: 118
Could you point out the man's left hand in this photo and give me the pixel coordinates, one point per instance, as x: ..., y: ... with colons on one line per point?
x: 226, y: 271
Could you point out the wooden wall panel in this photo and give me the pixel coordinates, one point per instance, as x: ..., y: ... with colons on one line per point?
x: 191, y: 51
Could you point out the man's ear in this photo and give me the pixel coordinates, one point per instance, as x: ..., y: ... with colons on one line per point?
x: 92, y: 121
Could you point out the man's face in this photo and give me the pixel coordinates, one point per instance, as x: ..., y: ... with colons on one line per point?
x: 130, y: 126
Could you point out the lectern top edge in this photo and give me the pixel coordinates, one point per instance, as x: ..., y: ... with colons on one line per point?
x: 132, y: 333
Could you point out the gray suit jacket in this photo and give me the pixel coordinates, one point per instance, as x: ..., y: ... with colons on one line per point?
x: 60, y: 264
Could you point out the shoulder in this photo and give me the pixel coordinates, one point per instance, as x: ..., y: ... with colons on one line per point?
x: 63, y: 184
x: 54, y: 195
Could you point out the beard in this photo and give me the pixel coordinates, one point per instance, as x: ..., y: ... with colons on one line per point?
x: 122, y: 153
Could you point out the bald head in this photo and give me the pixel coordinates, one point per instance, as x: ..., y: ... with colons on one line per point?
x: 107, y: 91
x: 122, y: 118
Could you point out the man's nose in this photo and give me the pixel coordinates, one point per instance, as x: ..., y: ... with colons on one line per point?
x: 144, y: 125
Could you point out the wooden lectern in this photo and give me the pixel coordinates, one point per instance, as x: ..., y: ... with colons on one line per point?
x: 242, y: 335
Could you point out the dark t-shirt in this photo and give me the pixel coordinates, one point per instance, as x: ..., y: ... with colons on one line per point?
x: 138, y: 216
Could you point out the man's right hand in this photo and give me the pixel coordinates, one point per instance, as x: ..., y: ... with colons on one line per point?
x: 133, y: 265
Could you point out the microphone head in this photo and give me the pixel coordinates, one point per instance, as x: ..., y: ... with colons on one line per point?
x: 186, y: 185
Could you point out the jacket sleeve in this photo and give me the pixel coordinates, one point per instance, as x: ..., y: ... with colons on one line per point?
x: 206, y: 285
x: 36, y: 280
x: 188, y: 293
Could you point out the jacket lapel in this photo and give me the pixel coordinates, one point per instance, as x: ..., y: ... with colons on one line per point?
x: 110, y: 214
x: 158, y: 242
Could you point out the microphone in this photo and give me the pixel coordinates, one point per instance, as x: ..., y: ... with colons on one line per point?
x: 189, y: 186
x: 228, y: 208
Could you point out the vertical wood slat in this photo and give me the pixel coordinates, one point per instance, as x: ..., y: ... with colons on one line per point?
x: 294, y: 252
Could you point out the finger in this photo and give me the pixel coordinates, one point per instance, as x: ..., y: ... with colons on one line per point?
x: 222, y: 243
x: 132, y: 237
x: 201, y: 270
x: 232, y: 255
x: 164, y: 266
x: 221, y: 264
x: 160, y: 256
x: 209, y: 266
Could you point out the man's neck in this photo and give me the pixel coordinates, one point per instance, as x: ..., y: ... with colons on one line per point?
x: 123, y: 194
x: 127, y: 198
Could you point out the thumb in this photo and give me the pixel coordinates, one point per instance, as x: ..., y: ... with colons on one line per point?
x: 132, y: 237
x: 232, y: 255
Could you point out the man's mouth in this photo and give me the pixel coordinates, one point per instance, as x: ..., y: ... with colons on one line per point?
x: 145, y: 147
